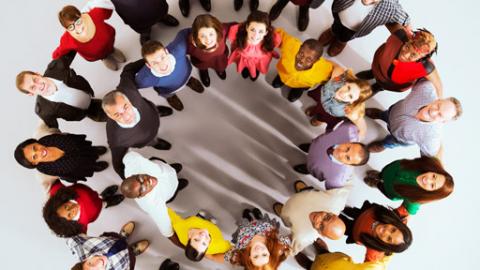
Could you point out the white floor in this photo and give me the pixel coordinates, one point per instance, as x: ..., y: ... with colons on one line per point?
x: 237, y: 140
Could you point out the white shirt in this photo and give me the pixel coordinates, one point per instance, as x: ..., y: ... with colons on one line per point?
x: 353, y: 16
x: 70, y: 96
x: 153, y: 203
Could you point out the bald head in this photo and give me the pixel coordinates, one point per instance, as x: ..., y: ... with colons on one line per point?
x: 130, y: 187
x: 327, y: 224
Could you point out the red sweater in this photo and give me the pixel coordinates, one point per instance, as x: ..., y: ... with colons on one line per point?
x: 99, y: 47
x: 88, y: 200
x: 363, y: 224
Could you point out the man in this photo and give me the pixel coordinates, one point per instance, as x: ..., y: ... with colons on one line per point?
x: 168, y: 69
x: 417, y: 119
x: 311, y: 214
x: 133, y: 120
x: 332, y: 156
x: 301, y: 66
x: 108, y: 251
x: 61, y: 93
x: 357, y: 18
x: 142, y: 15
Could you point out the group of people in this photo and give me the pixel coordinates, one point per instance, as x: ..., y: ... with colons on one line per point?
x: 402, y: 63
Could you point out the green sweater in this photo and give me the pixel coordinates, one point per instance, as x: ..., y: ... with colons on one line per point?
x: 393, y: 174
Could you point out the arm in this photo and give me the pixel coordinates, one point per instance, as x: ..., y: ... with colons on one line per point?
x: 337, y: 70
x: 64, y: 47
x: 117, y: 155
x: 361, y: 125
x: 393, y: 27
x: 219, y: 257
x: 44, y: 130
x: 434, y: 77
x: 159, y: 214
x: 439, y: 154
x: 127, y: 77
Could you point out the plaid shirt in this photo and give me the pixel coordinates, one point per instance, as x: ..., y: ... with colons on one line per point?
x: 386, y: 11
x: 84, y: 247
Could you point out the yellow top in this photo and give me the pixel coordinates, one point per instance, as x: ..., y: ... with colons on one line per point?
x: 341, y: 261
x: 181, y: 227
x: 319, y: 73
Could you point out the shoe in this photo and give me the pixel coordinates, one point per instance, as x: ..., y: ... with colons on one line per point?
x: 127, y: 229
x: 253, y: 5
x: 365, y: 75
x: 182, y: 183
x: 100, y: 166
x: 315, y: 122
x: 157, y: 158
x: 301, y: 168
x: 164, y: 111
x: 371, y: 181
x: 303, y: 17
x: 162, y: 145
x: 110, y: 63
x: 169, y: 20
x: 118, y: 56
x: 253, y: 78
x: 140, y: 247
x: 109, y: 191
x: 245, y: 73
x: 206, y: 4
x: 294, y: 94
x: 277, y: 82
x: 204, y: 77
x: 184, y: 7
x: 144, y: 37
x: 299, y: 185
x: 202, y: 214
x: 177, y: 166
x: 221, y: 74
x: 304, y: 147
x: 376, y: 147
x: 247, y: 214
x: 175, y: 102
x: 195, y: 85
x: 376, y: 88
x: 309, y: 111
x: 326, y: 37
x: 169, y: 265
x: 277, y: 208
x: 373, y: 113
x: 114, y: 200
x: 100, y: 150
x: 336, y: 47
x: 257, y: 213
x: 237, y: 4
x: 277, y: 9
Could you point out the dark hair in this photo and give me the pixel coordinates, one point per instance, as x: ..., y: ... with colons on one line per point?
x: 365, y: 156
x: 192, y: 254
x: 387, y: 216
x: 77, y: 266
x: 151, y: 47
x: 20, y: 156
x: 417, y: 194
x: 314, y: 45
x: 68, y: 14
x: 59, y: 225
x: 259, y: 17
x: 206, y: 21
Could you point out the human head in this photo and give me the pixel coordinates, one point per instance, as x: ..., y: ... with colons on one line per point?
x: 207, y: 31
x: 71, y: 19
x: 59, y: 225
x: 33, y: 153
x: 255, y: 29
x: 118, y: 107
x: 20, y: 155
x: 31, y: 83
x: 355, y: 91
x: 157, y: 57
x: 355, y: 154
x: 275, y: 257
x: 328, y: 224
x: 421, y: 45
x: 440, y: 110
x: 309, y: 53
x: 198, y: 243
x: 97, y: 262
x: 138, y: 185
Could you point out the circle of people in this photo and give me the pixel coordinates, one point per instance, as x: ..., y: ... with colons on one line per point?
x: 403, y: 62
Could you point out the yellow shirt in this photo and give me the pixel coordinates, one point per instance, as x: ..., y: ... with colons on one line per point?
x: 319, y: 73
x: 181, y: 227
x: 341, y: 261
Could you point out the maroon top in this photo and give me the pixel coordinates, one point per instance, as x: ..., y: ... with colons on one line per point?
x: 301, y: 2
x: 216, y: 60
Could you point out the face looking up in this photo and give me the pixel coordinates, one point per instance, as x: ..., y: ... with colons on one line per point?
x: 199, y: 239
x: 305, y: 58
x: 431, y: 181
x: 388, y: 233
x: 77, y: 28
x: 327, y: 224
x: 98, y: 262
x: 259, y: 254
x: 208, y: 37
x: 38, y: 85
x: 145, y: 184
x: 122, y: 111
x: 68, y: 210
x: 160, y: 61
x: 36, y: 153
x: 441, y: 110
x: 256, y: 31
x: 349, y: 153
x: 348, y: 93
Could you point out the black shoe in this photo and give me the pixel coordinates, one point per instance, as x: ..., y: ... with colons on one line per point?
x: 182, y: 183
x: 100, y: 166
x: 245, y: 73
x: 100, y: 150
x: 169, y: 265
x: 195, y: 85
x: 365, y: 75
x: 237, y: 4
x: 253, y: 5
x: 247, y: 214
x: 254, y: 78
x: 294, y: 94
x: 277, y: 82
x: 169, y: 20
x: 114, y: 200
x: 175, y: 102
x: 221, y: 74
x: 109, y: 191
x: 157, y: 158
x: 303, y: 18
x: 164, y: 111
x: 304, y: 147
x: 144, y: 37
x: 204, y: 77
x: 301, y: 168
x: 206, y: 4
x: 162, y: 145
x: 177, y: 166
x: 277, y: 9
x: 257, y: 213
x: 184, y: 7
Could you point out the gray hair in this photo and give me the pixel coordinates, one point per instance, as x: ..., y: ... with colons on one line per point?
x: 458, y: 107
x: 110, y: 98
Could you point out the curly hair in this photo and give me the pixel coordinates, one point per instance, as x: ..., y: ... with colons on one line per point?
x: 258, y: 17
x: 20, y: 156
x: 59, y: 225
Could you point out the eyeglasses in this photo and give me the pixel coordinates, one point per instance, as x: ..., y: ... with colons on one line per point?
x: 72, y: 26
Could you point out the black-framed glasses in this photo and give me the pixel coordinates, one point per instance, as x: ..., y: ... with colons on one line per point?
x: 76, y: 23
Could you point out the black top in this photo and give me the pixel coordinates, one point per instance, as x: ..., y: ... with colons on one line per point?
x: 141, y: 15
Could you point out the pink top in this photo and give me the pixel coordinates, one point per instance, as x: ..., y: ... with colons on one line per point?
x: 99, y: 47
x: 252, y: 57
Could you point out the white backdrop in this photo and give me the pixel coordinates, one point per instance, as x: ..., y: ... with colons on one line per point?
x: 237, y: 140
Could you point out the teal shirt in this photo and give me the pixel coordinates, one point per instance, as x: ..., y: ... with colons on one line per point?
x: 393, y: 174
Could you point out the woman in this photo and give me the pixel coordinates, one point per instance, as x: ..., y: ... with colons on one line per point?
x: 418, y: 181
x: 343, y: 96
x: 253, y: 44
x: 207, y: 48
x: 257, y: 243
x: 379, y: 229
x: 88, y: 34
x: 68, y: 156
